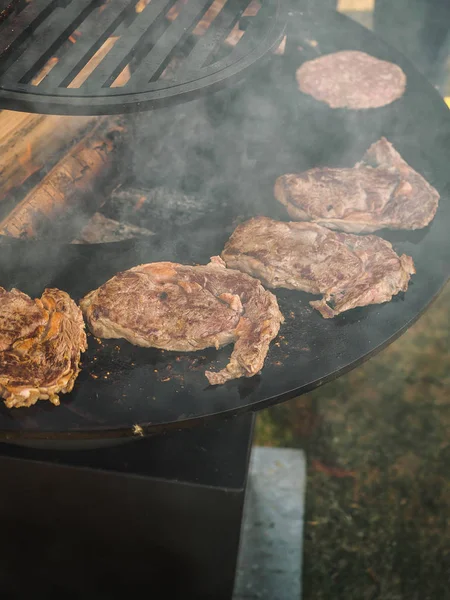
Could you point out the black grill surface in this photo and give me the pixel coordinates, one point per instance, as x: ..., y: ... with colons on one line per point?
x: 146, y: 54
x: 269, y: 129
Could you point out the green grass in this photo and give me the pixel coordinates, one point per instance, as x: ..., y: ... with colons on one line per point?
x: 378, y: 447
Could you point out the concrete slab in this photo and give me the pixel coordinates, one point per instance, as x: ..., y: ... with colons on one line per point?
x: 269, y: 562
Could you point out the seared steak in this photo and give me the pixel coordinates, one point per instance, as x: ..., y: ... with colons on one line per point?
x: 349, y: 270
x: 183, y: 308
x: 351, y: 79
x: 380, y: 191
x: 40, y: 346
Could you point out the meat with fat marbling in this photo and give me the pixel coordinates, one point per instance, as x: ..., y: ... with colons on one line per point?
x: 381, y: 191
x: 184, y: 308
x: 348, y: 270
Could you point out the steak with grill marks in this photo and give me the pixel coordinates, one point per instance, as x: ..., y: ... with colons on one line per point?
x: 381, y: 191
x: 183, y: 308
x: 40, y: 345
x: 348, y: 270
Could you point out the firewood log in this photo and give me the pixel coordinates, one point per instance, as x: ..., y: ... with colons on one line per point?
x: 28, y: 142
x: 77, y: 182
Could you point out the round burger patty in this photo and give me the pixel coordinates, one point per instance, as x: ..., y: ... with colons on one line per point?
x: 351, y: 79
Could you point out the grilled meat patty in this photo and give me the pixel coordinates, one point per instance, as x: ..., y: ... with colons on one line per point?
x: 380, y: 191
x: 183, y: 308
x: 348, y: 270
x: 351, y: 79
x: 40, y: 345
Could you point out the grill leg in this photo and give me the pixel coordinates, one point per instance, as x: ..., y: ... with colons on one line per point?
x: 110, y: 530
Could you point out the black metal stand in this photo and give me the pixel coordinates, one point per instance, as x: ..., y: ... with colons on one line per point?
x: 161, y: 515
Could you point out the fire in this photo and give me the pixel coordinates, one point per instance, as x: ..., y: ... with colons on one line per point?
x: 72, y: 39
x: 123, y: 78
x: 25, y: 158
x: 141, y: 5
x: 234, y: 36
x: 139, y: 204
x: 282, y: 47
x: 52, y: 61
x: 173, y: 13
x: 93, y: 63
x: 209, y: 17
x: 252, y: 9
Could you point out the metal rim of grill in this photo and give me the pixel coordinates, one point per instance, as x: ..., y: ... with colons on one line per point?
x: 51, y: 57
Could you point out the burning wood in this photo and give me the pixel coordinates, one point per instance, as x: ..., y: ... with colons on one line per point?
x: 120, y: 80
x: 52, y: 61
x: 76, y: 179
x: 209, y: 16
x: 169, y: 208
x: 28, y: 142
x: 202, y: 26
x: 100, y: 229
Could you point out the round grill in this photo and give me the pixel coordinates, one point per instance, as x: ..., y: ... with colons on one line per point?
x: 115, y: 56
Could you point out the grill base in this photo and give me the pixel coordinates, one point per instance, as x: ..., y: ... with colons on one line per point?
x: 160, y: 515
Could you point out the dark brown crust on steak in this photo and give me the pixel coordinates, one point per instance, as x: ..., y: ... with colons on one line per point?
x: 183, y: 308
x: 349, y: 270
x: 381, y: 191
x: 351, y: 79
x: 40, y: 345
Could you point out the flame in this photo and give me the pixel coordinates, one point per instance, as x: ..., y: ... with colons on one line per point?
x: 122, y: 78
x: 234, y: 36
x: 208, y: 17
x: 252, y: 9
x: 359, y: 6
x: 174, y: 11
x: 282, y: 47
x: 141, y: 5
x: 93, y: 63
x: 72, y: 39
x: 52, y: 61
x: 139, y: 204
x: 25, y: 158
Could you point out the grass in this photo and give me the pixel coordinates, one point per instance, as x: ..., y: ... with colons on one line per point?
x: 378, y: 447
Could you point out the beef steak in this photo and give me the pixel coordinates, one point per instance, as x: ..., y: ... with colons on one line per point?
x: 351, y: 79
x: 348, y: 270
x: 40, y: 345
x: 184, y: 308
x: 380, y: 191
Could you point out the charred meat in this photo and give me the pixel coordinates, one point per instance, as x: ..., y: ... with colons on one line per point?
x: 348, y: 270
x: 381, y: 191
x: 40, y: 345
x: 184, y: 308
x: 351, y: 79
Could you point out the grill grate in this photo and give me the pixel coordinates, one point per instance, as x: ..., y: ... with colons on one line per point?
x: 114, y: 56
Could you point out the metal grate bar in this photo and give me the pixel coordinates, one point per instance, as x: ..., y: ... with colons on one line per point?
x: 217, y: 32
x: 47, y: 38
x: 16, y: 29
x: 177, y: 30
x: 115, y: 56
x: 247, y: 43
x: 89, y: 41
x: 104, y: 74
